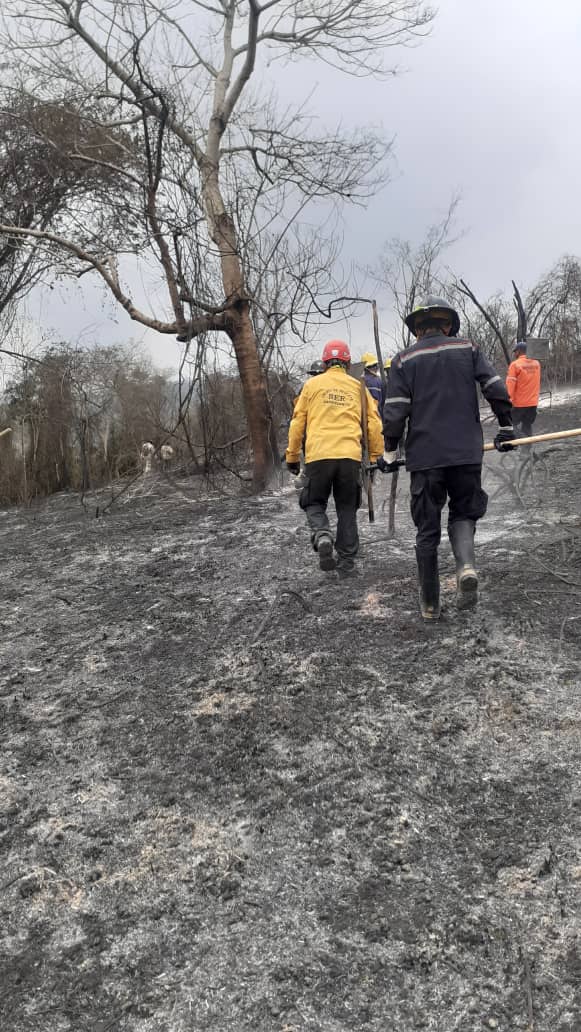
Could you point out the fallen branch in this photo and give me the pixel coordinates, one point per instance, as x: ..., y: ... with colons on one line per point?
x: 528, y: 987
x: 568, y: 619
x: 559, y: 576
x: 280, y: 594
x: 13, y: 881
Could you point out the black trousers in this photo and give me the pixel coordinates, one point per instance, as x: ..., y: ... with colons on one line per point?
x: 431, y: 488
x: 342, y: 478
x: 523, y: 419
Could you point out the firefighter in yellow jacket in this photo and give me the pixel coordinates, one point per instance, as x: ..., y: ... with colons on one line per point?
x: 329, y: 412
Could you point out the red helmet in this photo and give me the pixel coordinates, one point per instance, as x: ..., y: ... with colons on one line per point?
x: 336, y: 349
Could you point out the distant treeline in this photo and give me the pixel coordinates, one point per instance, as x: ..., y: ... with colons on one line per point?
x: 79, y: 419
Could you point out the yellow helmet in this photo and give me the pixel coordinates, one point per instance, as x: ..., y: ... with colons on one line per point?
x: 387, y: 363
x: 369, y: 359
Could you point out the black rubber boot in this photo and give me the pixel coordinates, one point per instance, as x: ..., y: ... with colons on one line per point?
x: 429, y: 578
x: 461, y: 534
x: 324, y: 546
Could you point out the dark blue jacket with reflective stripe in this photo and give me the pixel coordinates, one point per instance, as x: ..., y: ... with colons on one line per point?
x: 375, y: 388
x: 433, y: 386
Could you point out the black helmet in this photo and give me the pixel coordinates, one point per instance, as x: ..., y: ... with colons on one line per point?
x: 316, y: 367
x: 437, y: 307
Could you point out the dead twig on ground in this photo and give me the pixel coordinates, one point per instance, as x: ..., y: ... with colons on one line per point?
x: 568, y: 619
x: 115, y: 497
x: 72, y: 717
x: 264, y: 622
x: 528, y: 988
x: 12, y: 881
x: 555, y: 593
x: 559, y: 576
x: 115, y: 1021
x: 280, y: 594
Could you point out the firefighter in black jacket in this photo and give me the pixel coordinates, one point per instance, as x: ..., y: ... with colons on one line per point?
x: 433, y: 388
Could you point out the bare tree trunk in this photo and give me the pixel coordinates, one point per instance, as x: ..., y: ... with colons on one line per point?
x: 85, y: 456
x: 521, y: 333
x: 24, y: 477
x: 465, y: 289
x: 239, y: 324
x: 254, y: 393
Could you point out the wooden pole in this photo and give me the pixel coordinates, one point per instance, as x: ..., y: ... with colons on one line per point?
x: 367, y: 481
x: 559, y: 435
x: 382, y: 372
x: 394, y: 476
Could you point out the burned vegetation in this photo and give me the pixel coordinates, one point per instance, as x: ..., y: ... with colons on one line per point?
x: 237, y: 794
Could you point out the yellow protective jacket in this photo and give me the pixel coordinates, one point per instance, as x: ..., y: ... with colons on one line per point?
x: 328, y: 411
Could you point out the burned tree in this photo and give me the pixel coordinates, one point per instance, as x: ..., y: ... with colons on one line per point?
x: 183, y: 79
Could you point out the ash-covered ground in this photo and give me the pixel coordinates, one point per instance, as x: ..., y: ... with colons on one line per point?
x: 237, y: 795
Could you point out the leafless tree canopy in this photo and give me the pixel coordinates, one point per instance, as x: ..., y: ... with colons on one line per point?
x: 44, y: 187
x: 550, y: 309
x: 411, y: 272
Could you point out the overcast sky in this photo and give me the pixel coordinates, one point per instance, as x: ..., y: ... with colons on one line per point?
x: 488, y: 106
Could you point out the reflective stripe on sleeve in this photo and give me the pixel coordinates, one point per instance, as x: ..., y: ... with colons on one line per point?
x: 493, y: 379
x: 513, y: 378
x: 402, y: 401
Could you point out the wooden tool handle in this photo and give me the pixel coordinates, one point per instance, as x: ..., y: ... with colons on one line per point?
x: 559, y: 435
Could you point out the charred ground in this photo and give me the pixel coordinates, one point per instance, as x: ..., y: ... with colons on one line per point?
x: 239, y: 796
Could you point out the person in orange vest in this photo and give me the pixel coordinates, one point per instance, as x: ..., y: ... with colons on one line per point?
x: 523, y: 383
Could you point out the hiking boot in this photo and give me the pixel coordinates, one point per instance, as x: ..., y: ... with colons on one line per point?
x: 461, y: 534
x: 325, y: 552
x: 429, y: 580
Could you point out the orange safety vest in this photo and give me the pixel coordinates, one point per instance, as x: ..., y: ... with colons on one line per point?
x: 523, y: 382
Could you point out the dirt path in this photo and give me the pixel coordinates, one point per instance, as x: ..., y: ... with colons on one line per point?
x: 238, y: 796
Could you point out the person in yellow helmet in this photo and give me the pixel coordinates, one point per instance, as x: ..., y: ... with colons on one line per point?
x: 372, y: 379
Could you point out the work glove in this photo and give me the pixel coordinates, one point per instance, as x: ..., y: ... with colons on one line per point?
x: 505, y: 434
x: 387, y: 462
x: 294, y: 468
